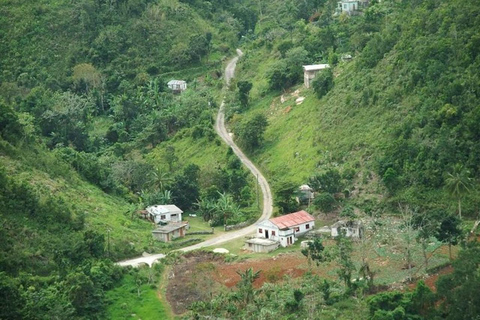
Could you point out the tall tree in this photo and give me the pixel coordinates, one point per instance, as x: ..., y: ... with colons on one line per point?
x: 458, y: 183
x: 244, y: 88
x: 250, y: 131
x: 450, y: 232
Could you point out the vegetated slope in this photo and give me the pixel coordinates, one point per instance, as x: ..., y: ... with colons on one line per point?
x: 400, y: 116
x: 83, y: 101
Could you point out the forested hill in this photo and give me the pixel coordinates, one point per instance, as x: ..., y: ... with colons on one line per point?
x: 397, y: 113
x: 90, y: 133
x: 87, y: 128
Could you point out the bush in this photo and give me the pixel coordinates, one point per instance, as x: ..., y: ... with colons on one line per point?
x: 323, y: 83
x: 325, y: 202
x: 330, y: 181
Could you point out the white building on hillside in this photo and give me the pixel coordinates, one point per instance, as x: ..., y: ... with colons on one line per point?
x: 310, y: 71
x: 165, y: 213
x: 285, y: 228
x: 177, y: 86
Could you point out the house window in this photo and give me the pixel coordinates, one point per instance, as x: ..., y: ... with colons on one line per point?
x: 273, y: 233
x: 260, y: 230
x: 162, y: 217
x: 297, y: 229
x: 307, y: 226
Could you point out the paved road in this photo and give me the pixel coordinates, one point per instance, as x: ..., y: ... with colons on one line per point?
x: 267, y: 194
x: 146, y: 259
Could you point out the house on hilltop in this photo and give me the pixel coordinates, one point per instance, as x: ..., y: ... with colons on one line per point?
x: 286, y: 228
x: 164, y: 213
x: 350, y: 7
x: 310, y: 71
x: 177, y: 86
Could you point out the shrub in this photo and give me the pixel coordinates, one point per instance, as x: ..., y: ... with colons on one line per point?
x: 323, y: 83
x: 325, y: 202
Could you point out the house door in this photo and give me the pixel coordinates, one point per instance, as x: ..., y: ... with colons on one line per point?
x: 266, y: 234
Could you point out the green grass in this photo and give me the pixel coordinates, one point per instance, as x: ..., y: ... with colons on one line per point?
x: 104, y: 213
x: 125, y: 303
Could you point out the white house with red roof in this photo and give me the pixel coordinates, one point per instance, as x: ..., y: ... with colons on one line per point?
x: 285, y: 228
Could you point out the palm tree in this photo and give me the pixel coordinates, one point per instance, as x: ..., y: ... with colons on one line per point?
x: 458, y: 183
x: 159, y: 179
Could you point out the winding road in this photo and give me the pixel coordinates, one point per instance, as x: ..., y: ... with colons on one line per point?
x: 267, y: 194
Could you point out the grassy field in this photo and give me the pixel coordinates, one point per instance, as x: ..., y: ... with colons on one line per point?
x: 134, y: 299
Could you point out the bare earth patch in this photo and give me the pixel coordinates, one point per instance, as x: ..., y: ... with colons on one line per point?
x: 272, y: 269
x: 200, y: 275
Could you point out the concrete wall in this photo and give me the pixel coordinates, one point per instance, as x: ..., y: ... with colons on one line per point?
x: 260, y: 248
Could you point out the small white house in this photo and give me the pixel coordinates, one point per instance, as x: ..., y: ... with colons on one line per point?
x: 351, y: 229
x: 348, y: 6
x: 177, y: 86
x: 285, y: 229
x: 310, y: 71
x: 165, y: 213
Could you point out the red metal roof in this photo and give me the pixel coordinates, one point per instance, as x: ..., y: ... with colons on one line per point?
x: 292, y: 219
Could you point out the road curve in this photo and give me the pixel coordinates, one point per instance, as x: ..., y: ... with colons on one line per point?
x: 267, y: 194
x: 264, y: 186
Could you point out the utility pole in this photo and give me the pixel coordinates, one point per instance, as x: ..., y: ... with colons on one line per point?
x: 258, y: 198
x: 108, y: 242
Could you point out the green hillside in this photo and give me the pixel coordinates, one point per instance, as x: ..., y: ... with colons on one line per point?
x: 401, y: 114
x: 90, y: 133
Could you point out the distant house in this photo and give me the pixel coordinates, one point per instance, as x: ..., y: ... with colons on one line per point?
x: 177, y: 86
x: 305, y: 194
x: 352, y: 229
x: 348, y: 6
x: 170, y: 231
x: 286, y: 228
x: 165, y: 213
x: 310, y: 71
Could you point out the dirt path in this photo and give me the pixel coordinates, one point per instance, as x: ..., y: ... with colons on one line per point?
x: 264, y: 186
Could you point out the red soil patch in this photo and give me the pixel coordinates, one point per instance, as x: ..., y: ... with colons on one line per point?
x: 197, y: 275
x: 432, y: 279
x: 271, y: 270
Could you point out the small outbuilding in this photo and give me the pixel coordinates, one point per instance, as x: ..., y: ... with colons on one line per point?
x: 261, y: 245
x: 351, y: 229
x: 177, y: 86
x: 165, y: 213
x: 310, y: 71
x: 170, y: 231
